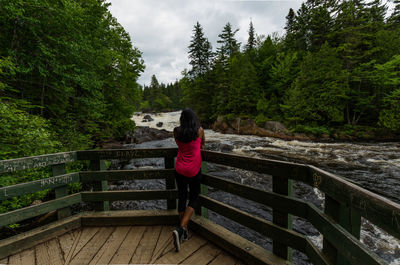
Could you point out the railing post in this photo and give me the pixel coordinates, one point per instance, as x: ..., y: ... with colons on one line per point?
x: 96, y: 165
x: 170, y: 182
x: 349, y: 219
x: 203, y: 191
x: 282, y: 186
x: 61, y: 191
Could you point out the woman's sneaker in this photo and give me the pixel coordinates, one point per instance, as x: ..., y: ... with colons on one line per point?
x: 177, y: 235
x: 185, y: 234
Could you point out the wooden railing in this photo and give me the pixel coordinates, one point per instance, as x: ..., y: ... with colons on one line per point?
x: 345, y: 202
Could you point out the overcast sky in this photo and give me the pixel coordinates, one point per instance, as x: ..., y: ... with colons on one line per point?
x: 162, y: 29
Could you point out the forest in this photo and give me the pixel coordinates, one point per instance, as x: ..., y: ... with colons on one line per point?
x: 336, y: 66
x: 68, y: 76
x: 68, y: 81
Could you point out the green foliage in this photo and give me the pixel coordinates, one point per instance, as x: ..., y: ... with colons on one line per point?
x: 21, y: 201
x: 314, y: 130
x: 161, y: 97
x: 260, y: 120
x: 72, y: 59
x: 337, y: 64
x: 68, y: 75
x: 23, y: 134
x: 320, y: 90
x: 390, y: 116
x: 200, y: 52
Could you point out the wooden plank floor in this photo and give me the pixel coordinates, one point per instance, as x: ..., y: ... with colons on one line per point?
x: 122, y: 245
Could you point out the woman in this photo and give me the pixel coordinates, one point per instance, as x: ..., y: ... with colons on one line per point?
x: 190, y: 139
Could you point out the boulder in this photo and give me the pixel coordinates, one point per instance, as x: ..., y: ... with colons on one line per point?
x: 147, y: 118
x: 160, y: 124
x: 146, y: 134
x: 226, y: 148
x: 275, y: 126
x: 249, y: 127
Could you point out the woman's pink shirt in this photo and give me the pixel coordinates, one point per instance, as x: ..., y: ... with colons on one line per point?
x: 188, y: 161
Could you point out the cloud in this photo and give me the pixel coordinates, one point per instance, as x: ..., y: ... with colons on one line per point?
x: 162, y: 29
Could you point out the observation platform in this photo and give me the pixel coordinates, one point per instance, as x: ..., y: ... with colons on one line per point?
x: 120, y: 237
x: 144, y: 236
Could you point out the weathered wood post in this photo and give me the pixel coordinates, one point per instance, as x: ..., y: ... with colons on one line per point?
x: 203, y: 191
x: 102, y: 185
x: 348, y: 218
x: 283, y: 186
x: 170, y: 182
x: 57, y: 170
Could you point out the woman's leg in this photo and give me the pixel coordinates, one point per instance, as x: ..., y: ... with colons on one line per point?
x: 186, y: 216
x: 182, y: 194
x: 194, y: 188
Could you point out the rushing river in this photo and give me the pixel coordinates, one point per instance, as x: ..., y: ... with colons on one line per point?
x: 374, y: 166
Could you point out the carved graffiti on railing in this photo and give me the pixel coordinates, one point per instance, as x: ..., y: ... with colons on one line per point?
x: 34, y: 162
x: 37, y: 185
x: 56, y: 180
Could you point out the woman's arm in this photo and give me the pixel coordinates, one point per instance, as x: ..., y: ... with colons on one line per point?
x: 202, y: 137
x: 175, y: 133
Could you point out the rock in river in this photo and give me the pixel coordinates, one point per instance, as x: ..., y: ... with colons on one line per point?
x: 145, y: 134
x: 147, y: 118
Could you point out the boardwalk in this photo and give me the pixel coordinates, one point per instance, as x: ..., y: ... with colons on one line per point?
x: 121, y: 245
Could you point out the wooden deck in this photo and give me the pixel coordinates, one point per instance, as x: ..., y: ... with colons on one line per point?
x: 121, y: 245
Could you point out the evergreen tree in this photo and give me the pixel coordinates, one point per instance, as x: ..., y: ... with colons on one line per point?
x: 228, y: 45
x: 290, y: 27
x: 320, y: 23
x: 355, y: 34
x: 320, y: 90
x: 251, y: 41
x: 302, y: 30
x: 200, y: 52
x: 244, y: 89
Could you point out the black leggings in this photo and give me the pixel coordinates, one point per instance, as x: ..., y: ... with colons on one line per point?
x: 194, y: 188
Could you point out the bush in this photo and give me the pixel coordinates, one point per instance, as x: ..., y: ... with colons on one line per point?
x: 21, y: 135
x: 260, y: 120
x: 314, y: 130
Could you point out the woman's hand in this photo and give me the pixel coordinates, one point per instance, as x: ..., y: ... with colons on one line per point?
x: 203, y: 138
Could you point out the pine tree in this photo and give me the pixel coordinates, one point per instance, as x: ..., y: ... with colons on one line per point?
x: 302, y: 30
x: 200, y: 52
x: 290, y: 27
x: 229, y: 45
x: 290, y: 22
x: 320, y: 23
x: 356, y: 27
x: 320, y: 90
x: 251, y: 41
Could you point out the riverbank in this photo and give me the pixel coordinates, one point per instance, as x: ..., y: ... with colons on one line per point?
x: 278, y: 130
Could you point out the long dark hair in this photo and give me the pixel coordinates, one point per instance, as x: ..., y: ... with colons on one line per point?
x: 189, y: 129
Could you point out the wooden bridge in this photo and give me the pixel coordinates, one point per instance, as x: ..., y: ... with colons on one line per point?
x: 144, y: 236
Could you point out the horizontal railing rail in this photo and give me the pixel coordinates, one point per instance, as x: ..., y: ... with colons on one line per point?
x: 126, y: 153
x: 339, y: 223
x: 352, y: 248
x: 37, y: 210
x: 38, y: 185
x: 129, y: 195
x: 12, y: 165
x: 113, y: 175
x: 377, y: 209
